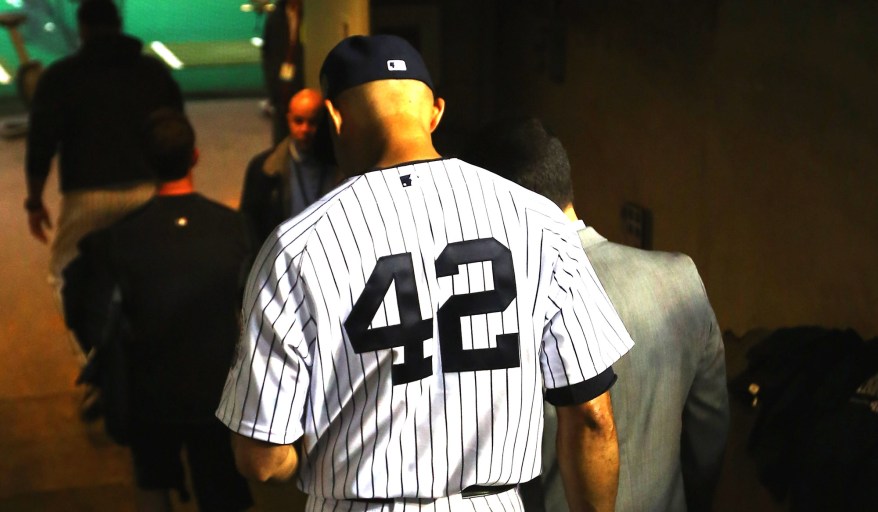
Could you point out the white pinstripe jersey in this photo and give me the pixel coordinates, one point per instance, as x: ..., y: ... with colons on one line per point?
x: 405, y: 325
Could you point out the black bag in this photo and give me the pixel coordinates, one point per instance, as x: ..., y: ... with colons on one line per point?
x: 801, y: 380
x: 107, y: 369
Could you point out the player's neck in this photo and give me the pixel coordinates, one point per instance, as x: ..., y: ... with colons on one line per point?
x: 179, y: 187
x: 382, y: 153
x: 400, y: 151
x: 570, y: 212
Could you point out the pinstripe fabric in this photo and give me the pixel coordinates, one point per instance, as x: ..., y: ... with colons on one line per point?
x: 84, y: 211
x: 297, y: 373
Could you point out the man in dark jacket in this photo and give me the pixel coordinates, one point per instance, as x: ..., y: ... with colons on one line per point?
x: 175, y: 267
x: 282, y: 181
x: 89, y: 108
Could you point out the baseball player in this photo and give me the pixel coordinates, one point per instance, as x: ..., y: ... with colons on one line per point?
x: 401, y: 330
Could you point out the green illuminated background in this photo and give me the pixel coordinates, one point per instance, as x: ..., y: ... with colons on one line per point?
x: 213, y: 39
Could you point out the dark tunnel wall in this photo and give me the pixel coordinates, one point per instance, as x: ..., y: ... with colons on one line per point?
x: 748, y: 128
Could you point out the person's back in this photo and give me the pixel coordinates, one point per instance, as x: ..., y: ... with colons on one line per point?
x: 404, y: 326
x: 670, y: 403
x: 89, y: 108
x: 679, y: 393
x: 108, y: 90
x: 95, y: 102
x: 171, y: 273
x: 447, y: 234
x: 179, y: 261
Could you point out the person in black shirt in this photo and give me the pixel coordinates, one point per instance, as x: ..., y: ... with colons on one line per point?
x: 89, y: 108
x: 176, y: 267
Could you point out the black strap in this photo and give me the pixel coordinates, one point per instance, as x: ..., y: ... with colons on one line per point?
x: 473, y: 491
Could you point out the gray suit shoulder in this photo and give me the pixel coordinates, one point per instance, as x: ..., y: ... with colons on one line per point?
x: 676, y: 262
x: 633, y: 268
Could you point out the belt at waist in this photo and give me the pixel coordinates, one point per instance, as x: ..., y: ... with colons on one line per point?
x: 473, y: 491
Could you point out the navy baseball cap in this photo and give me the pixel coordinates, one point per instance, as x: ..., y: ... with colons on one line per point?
x: 357, y: 60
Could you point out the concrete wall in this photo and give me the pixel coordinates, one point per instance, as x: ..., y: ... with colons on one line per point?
x: 749, y: 129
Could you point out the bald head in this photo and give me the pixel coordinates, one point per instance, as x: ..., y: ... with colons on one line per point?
x: 385, y: 123
x: 305, y: 109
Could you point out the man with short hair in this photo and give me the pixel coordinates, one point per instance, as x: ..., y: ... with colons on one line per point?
x: 173, y: 271
x: 89, y: 109
x: 281, y: 182
x: 671, y: 404
x: 402, y: 329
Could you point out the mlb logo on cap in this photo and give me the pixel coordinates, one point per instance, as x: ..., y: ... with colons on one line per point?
x: 396, y: 65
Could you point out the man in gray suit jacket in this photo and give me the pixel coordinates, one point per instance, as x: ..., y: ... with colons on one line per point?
x: 670, y: 402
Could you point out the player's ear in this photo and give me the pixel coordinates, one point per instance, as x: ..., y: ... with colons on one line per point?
x: 195, y: 155
x: 334, y: 115
x: 436, y: 114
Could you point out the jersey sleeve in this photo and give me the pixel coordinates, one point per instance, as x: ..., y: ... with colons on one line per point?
x: 583, y: 335
x: 266, y: 389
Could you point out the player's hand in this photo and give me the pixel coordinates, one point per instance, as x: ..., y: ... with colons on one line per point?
x: 263, y: 462
x: 39, y: 221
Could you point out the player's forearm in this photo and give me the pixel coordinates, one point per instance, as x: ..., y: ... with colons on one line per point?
x: 588, y: 455
x: 264, y: 462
